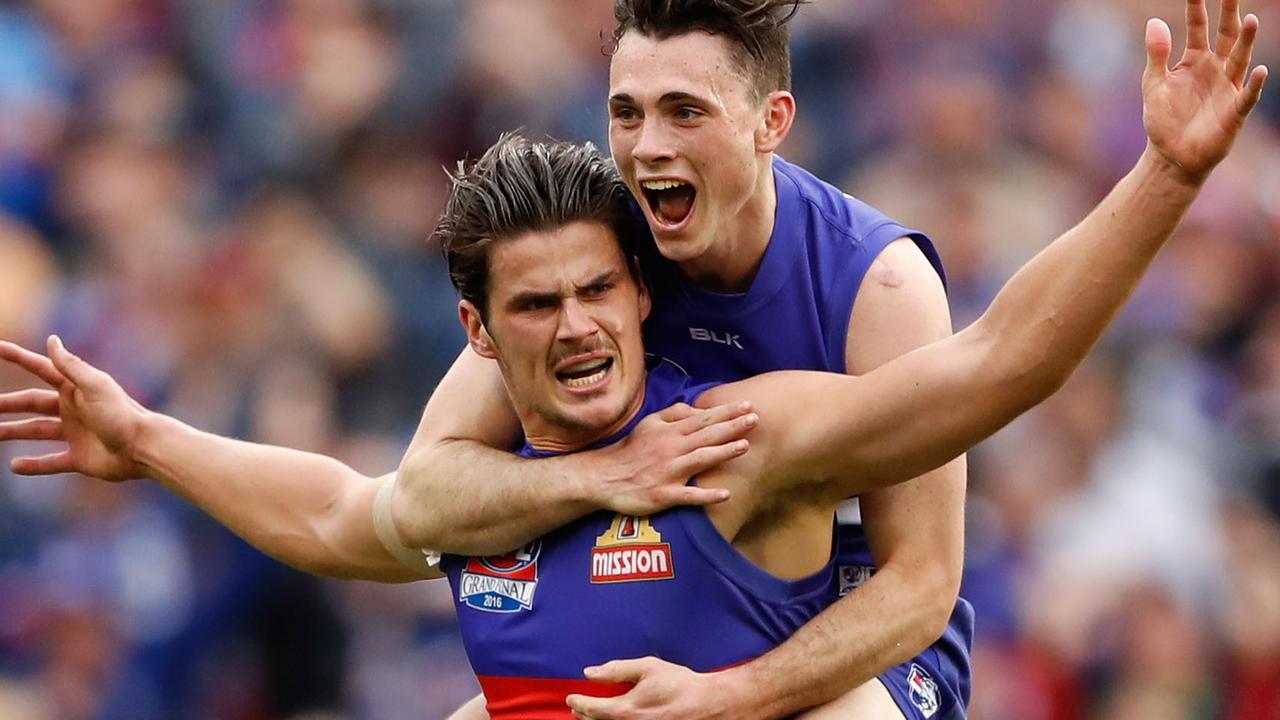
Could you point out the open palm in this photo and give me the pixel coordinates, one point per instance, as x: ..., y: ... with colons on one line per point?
x: 82, y: 407
x: 1194, y: 111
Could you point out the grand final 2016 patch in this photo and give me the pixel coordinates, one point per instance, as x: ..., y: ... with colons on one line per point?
x: 631, y: 550
x: 502, y: 583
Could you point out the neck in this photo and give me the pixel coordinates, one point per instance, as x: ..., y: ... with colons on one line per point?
x: 735, y: 253
x: 544, y: 434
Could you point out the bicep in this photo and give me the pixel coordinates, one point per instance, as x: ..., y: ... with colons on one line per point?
x: 470, y: 403
x: 353, y: 539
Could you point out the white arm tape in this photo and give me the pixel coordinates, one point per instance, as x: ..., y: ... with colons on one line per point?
x: 390, y: 538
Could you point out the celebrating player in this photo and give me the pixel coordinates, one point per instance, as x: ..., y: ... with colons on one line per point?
x: 1193, y: 114
x: 534, y: 236
x: 755, y: 265
x: 759, y: 267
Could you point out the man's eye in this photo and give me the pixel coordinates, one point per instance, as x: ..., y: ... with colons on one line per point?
x: 626, y: 114
x: 595, y: 291
x: 687, y: 113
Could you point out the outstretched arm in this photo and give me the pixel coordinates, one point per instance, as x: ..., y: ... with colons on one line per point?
x: 304, y: 509
x: 957, y: 391
x: 457, y: 493
x: 919, y: 412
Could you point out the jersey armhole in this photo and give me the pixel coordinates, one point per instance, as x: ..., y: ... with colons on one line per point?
x: 849, y: 281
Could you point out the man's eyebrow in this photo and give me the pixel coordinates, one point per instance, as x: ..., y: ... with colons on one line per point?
x: 675, y: 96
x: 679, y: 96
x: 530, y: 297
x: 600, y: 279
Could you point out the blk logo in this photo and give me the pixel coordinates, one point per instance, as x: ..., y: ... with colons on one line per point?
x: 719, y: 338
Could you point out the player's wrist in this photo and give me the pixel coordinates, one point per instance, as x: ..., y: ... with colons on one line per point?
x: 152, y: 432
x: 749, y: 696
x: 591, y: 478
x: 1157, y: 166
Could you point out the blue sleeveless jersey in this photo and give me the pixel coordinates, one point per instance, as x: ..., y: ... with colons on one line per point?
x: 610, y: 586
x: 795, y: 316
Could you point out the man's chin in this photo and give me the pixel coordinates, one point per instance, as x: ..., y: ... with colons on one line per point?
x: 680, y: 247
x: 595, y: 417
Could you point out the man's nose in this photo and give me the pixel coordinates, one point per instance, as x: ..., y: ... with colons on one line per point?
x: 575, y: 321
x: 653, y: 143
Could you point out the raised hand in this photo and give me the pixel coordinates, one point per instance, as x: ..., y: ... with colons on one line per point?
x: 669, y: 447
x: 1194, y: 111
x: 83, y: 407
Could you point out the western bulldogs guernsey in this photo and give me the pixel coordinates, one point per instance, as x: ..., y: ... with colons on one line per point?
x: 795, y: 316
x: 612, y: 586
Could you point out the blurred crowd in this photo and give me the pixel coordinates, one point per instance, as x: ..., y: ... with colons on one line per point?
x: 226, y: 204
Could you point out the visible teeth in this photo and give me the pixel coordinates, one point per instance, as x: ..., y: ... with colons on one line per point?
x: 591, y: 379
x: 661, y: 184
x: 585, y: 366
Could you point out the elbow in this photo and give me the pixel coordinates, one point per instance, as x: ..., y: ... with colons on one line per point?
x: 943, y: 592
x: 935, y: 605
x: 312, y: 553
x: 1033, y: 383
x: 937, y: 588
x: 1041, y: 383
x: 1021, y: 367
x: 327, y: 550
x: 342, y: 540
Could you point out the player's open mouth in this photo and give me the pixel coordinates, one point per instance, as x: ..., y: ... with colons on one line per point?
x: 585, y: 374
x: 670, y: 201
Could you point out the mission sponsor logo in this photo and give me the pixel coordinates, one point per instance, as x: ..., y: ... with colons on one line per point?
x: 501, y: 583
x: 631, y: 550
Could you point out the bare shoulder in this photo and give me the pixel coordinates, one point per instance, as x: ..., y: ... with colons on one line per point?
x: 900, y: 306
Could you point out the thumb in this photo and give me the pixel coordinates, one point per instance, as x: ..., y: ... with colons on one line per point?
x: 1159, y: 46
x: 79, y: 372
x: 1252, y: 90
x: 678, y: 411
x: 622, y: 671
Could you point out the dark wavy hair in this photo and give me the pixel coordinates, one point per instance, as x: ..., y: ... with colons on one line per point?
x: 520, y: 186
x: 756, y: 31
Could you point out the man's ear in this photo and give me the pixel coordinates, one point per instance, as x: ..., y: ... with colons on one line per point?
x: 477, y: 336
x: 779, y: 114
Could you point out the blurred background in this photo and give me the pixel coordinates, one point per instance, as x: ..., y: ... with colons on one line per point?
x: 225, y: 205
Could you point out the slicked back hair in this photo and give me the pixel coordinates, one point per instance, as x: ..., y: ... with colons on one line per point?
x: 520, y: 186
x: 755, y: 29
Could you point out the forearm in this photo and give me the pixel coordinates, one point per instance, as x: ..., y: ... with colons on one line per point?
x: 457, y: 492
x: 1055, y: 308
x: 852, y: 641
x: 916, y: 534
x: 307, y: 510
x: 485, y: 501
x: 919, y: 412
